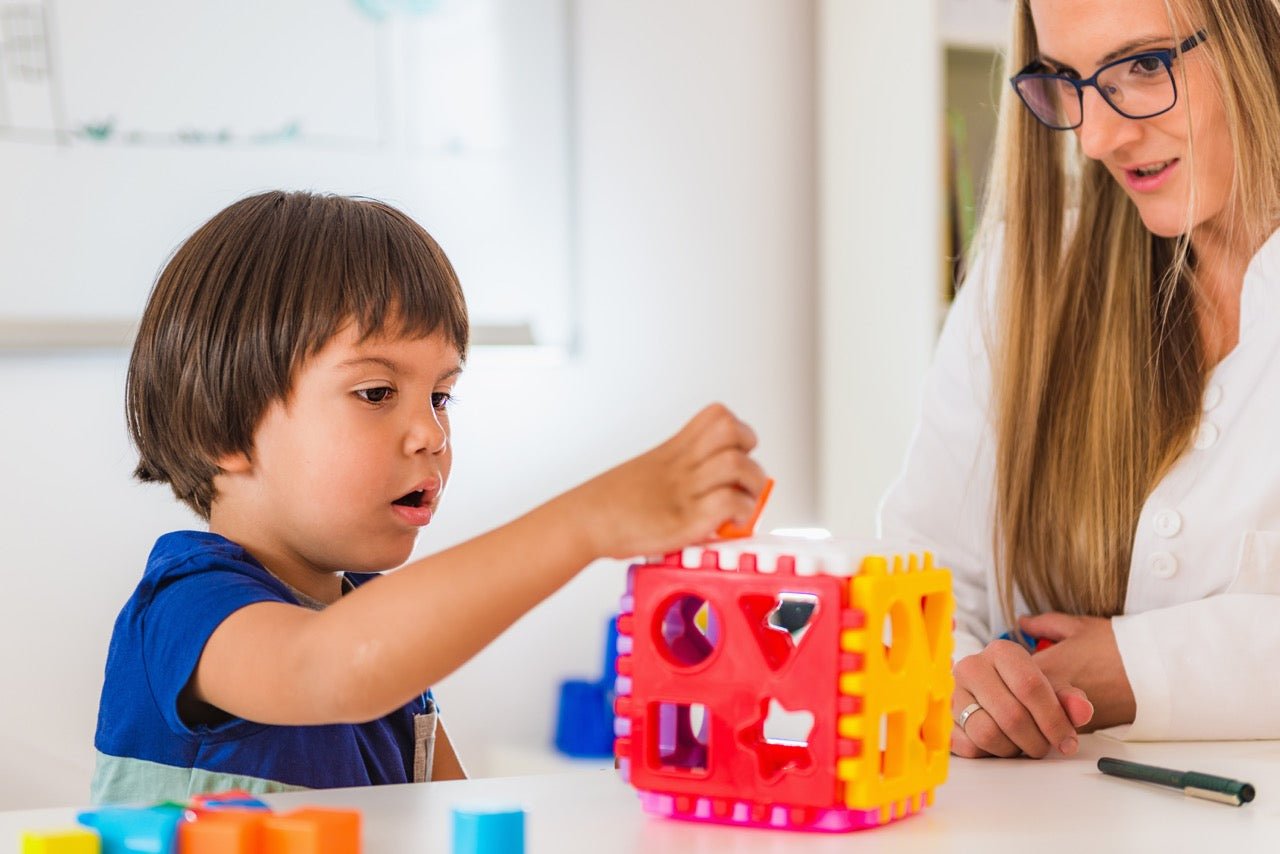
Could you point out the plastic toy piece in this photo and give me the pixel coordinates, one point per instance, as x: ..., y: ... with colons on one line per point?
x: 730, y: 531
x: 1032, y: 642
x: 713, y: 639
x: 232, y: 800
x: 313, y: 830
x: 584, y: 715
x: 223, y: 831
x: 80, y: 840
x: 136, y: 830
x: 488, y: 830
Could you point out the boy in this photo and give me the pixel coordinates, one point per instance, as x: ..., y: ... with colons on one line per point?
x: 290, y: 381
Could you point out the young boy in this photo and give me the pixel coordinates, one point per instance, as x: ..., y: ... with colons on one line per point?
x: 291, y: 381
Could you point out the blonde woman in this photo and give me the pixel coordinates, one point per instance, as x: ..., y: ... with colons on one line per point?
x: 1097, y: 453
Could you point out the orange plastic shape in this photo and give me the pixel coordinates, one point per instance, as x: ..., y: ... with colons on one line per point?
x: 227, y: 831
x: 730, y: 531
x: 313, y: 830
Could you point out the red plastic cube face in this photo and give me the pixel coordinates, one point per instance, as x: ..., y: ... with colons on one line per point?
x: 718, y: 657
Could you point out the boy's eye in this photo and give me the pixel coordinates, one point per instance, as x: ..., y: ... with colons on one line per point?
x: 374, y: 395
x: 441, y: 399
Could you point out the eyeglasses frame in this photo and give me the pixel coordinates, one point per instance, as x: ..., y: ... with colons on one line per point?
x: 1166, y: 56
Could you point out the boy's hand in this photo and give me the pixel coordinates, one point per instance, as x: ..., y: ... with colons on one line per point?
x: 679, y: 492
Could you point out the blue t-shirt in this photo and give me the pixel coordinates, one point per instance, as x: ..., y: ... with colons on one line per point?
x: 146, y: 751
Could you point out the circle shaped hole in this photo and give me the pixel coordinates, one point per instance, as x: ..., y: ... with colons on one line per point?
x: 687, y: 630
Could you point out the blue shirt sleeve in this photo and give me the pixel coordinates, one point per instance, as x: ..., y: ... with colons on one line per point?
x: 187, y: 603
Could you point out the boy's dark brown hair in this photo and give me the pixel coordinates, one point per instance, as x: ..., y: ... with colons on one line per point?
x: 245, y: 300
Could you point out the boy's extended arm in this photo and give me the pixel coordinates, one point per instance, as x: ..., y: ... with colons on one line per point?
x: 382, y: 644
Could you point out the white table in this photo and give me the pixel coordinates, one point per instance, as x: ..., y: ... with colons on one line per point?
x: 986, y: 806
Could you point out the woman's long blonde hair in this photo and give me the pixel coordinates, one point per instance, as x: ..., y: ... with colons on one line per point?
x: 1099, y: 365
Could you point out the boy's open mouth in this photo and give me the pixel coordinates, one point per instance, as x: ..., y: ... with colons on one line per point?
x: 413, y: 499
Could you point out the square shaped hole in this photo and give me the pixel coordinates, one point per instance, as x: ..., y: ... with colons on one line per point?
x: 679, y: 733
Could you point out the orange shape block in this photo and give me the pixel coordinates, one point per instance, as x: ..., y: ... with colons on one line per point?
x: 312, y: 830
x: 226, y: 831
x: 730, y: 531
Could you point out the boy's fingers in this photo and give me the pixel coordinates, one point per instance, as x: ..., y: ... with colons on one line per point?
x: 729, y: 469
x: 717, y: 432
x: 720, y: 506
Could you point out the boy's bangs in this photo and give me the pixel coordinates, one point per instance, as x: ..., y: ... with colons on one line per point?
x: 380, y: 269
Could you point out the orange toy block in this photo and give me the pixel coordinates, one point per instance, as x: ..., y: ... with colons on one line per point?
x: 225, y: 831
x: 730, y: 531
x: 313, y: 830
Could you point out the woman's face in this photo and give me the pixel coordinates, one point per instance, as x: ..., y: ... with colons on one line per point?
x: 1149, y: 158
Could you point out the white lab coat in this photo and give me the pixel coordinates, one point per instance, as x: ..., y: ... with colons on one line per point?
x: 1200, y: 633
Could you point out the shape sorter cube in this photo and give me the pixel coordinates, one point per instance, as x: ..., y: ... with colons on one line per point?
x: 715, y: 642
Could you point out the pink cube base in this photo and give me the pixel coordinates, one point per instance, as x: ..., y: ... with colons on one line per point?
x: 834, y: 820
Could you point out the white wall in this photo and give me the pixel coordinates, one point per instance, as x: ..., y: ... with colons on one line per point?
x: 697, y: 219
x: 880, y: 144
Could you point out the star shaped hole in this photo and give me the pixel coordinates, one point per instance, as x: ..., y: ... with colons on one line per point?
x: 779, y: 738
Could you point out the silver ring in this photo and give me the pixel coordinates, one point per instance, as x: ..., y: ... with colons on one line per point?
x: 965, y: 713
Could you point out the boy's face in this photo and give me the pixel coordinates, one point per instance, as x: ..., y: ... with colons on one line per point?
x: 345, y: 472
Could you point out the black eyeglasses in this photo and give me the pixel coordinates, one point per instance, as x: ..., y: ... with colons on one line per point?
x: 1136, y: 87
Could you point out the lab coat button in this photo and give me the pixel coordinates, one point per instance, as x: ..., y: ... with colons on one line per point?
x: 1206, y: 436
x: 1163, y: 565
x: 1168, y: 523
x: 1212, y: 397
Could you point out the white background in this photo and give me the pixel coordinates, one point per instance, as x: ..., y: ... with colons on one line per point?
x: 716, y: 188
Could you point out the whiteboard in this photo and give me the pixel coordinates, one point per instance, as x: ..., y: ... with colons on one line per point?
x: 124, y: 124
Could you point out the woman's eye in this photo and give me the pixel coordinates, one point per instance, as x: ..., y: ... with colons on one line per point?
x: 381, y: 394
x: 441, y: 399
x: 1148, y: 64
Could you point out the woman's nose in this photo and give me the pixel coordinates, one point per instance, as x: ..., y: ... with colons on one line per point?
x: 1103, y: 130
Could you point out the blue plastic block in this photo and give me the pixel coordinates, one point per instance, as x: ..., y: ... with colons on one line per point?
x: 584, y: 716
x: 488, y: 830
x: 584, y: 720
x: 130, y: 830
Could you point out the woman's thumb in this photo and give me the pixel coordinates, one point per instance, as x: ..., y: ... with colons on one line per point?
x: 1077, y: 706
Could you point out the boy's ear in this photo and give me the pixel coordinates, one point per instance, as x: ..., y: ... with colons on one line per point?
x: 234, y: 462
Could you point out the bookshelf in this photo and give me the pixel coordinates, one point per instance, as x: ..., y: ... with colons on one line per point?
x: 883, y: 192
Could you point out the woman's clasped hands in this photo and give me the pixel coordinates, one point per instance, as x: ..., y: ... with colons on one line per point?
x: 1009, y: 701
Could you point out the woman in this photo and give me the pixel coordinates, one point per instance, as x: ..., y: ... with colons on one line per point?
x: 1095, y: 459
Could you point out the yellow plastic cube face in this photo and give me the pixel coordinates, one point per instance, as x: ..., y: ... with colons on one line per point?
x: 903, y: 684
x: 70, y: 841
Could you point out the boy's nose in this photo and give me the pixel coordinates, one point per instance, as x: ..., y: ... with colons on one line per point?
x: 1103, y: 130
x: 427, y: 434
